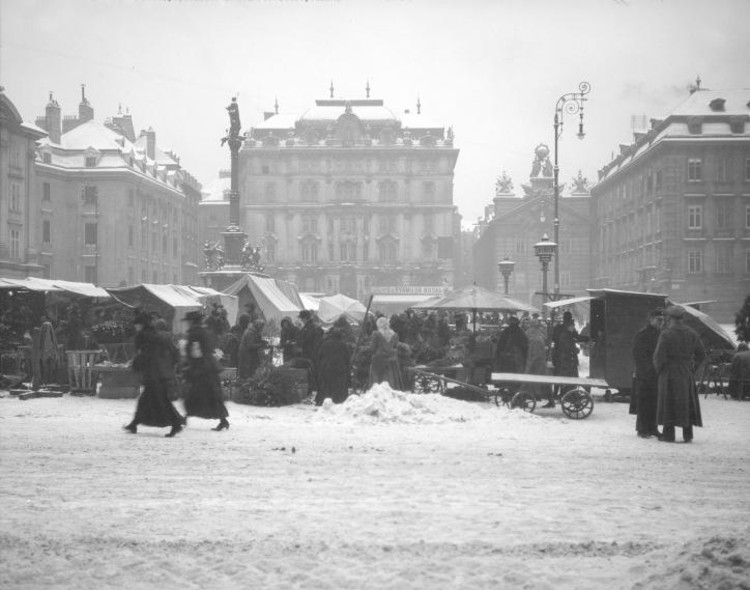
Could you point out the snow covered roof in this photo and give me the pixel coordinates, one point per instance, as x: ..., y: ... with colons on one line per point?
x: 732, y: 102
x: 214, y: 191
x: 365, y: 110
x: 720, y: 115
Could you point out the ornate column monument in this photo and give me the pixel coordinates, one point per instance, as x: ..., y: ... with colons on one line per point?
x: 224, y: 265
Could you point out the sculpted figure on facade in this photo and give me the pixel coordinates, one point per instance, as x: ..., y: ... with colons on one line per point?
x: 580, y: 184
x: 541, y: 166
x: 504, y: 184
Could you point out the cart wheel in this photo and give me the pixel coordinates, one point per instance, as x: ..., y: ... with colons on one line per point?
x: 577, y: 404
x: 524, y: 400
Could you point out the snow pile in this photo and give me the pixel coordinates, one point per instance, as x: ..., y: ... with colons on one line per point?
x: 721, y: 563
x: 382, y: 404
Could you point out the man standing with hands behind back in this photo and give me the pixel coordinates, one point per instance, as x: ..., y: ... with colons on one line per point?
x: 678, y: 351
x: 645, y: 390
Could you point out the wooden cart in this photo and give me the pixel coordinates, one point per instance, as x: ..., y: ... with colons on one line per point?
x: 615, y: 317
x: 577, y: 403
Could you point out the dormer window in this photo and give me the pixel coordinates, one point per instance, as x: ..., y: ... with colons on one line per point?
x: 91, y: 157
x: 47, y: 158
x: 695, y: 125
x: 717, y: 104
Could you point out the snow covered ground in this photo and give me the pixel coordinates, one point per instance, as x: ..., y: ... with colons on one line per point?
x: 387, y: 491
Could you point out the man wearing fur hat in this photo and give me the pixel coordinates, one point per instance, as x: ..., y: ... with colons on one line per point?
x: 678, y: 351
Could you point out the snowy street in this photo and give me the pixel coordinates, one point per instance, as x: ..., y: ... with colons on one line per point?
x: 386, y: 491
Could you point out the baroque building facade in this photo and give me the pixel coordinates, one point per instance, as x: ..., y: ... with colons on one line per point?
x: 672, y: 210
x: 348, y: 197
x: 513, y: 224
x: 19, y: 254
x: 114, y: 209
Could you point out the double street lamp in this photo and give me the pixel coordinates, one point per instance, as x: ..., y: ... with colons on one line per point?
x: 545, y: 250
x: 570, y: 103
x: 506, y: 267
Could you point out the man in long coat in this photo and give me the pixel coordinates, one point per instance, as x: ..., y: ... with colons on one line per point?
x: 645, y: 391
x: 678, y: 351
x: 251, y: 346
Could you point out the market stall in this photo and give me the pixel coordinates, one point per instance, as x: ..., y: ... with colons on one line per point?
x: 172, y: 302
x: 272, y: 297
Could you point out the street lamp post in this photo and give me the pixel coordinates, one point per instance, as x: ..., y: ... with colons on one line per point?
x: 545, y: 250
x: 570, y: 103
x: 505, y: 267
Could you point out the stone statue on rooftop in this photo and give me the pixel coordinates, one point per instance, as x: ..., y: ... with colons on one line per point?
x: 504, y: 184
x: 234, y: 118
x: 580, y: 184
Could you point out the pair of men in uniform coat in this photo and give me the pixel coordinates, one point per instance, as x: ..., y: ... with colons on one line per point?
x: 677, y: 350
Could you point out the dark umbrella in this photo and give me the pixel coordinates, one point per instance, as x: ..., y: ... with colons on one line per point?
x: 712, y: 334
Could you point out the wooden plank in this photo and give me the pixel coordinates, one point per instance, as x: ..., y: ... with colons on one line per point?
x: 546, y: 379
x: 449, y: 380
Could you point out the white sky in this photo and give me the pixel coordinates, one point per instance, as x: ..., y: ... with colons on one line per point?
x: 492, y: 69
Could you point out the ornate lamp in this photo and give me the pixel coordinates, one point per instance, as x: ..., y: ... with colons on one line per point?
x: 544, y: 251
x: 506, y: 267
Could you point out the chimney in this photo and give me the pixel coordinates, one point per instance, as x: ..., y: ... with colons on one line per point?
x: 52, y: 120
x: 85, y: 110
x: 150, y: 143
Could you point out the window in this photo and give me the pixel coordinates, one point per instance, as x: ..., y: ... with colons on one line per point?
x: 747, y: 169
x: 155, y: 277
x: 270, y: 192
x: 365, y: 251
x: 47, y: 158
x: 659, y: 180
x: 428, y: 191
x: 131, y: 236
x: 15, y: 198
x: 143, y: 276
x: 131, y: 275
x: 348, y: 225
x: 695, y: 261
x: 46, y: 231
x: 175, y: 248
x: 521, y: 245
x: 722, y: 170
x: 747, y: 216
x: 695, y: 170
x: 695, y: 216
x: 46, y: 192
x: 309, y: 252
x: 90, y: 195
x: 723, y: 214
x: 387, y: 224
x: 388, y: 251
x: 309, y: 190
x: 15, y: 243
x: 309, y: 224
x: 265, y: 169
x: 724, y: 258
x: 90, y: 161
x: 89, y: 235
x: 89, y: 274
x: 270, y: 222
x: 387, y: 191
x: 429, y: 223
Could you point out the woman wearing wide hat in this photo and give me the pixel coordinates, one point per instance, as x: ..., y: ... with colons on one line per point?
x: 203, y: 396
x: 155, y: 358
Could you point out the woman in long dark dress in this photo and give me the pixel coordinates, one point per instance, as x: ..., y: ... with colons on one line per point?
x: 334, y: 368
x: 155, y: 358
x: 288, y: 340
x: 203, y: 396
